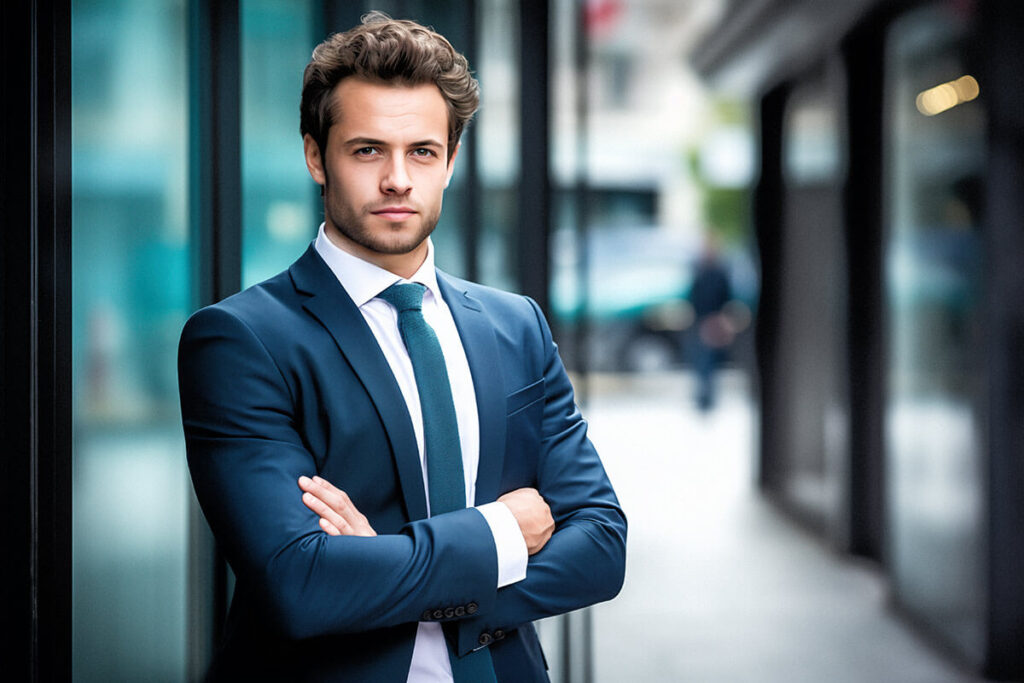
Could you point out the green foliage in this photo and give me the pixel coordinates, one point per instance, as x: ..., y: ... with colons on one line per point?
x: 726, y: 212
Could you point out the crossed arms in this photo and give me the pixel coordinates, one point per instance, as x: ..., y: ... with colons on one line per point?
x: 246, y: 452
x: 340, y: 517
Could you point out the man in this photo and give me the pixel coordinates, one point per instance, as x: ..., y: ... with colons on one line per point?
x: 341, y: 416
x: 713, y: 330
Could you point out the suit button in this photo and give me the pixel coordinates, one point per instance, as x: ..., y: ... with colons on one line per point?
x: 427, y: 616
x: 498, y: 634
x: 471, y: 608
x: 460, y: 611
x: 484, y: 639
x: 449, y: 612
x: 438, y: 613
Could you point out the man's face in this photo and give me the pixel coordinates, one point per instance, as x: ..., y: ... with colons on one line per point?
x: 384, y: 171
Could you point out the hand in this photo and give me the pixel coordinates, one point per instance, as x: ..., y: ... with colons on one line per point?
x: 533, y: 515
x: 338, y: 516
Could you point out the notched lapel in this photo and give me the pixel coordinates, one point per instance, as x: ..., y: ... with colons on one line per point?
x: 481, y: 348
x: 331, y: 305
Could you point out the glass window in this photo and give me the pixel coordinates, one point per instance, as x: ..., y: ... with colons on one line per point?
x: 281, y: 203
x: 496, y: 137
x: 131, y: 294
x: 933, y: 278
x: 813, y: 304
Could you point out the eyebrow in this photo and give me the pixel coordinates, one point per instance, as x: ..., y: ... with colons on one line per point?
x: 380, y: 143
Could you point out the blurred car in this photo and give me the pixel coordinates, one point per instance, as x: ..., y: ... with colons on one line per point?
x: 634, y: 308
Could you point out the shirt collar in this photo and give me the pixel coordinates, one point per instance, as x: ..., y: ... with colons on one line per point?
x: 363, y: 280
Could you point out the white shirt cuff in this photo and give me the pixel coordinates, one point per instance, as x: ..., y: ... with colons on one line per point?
x: 508, y: 539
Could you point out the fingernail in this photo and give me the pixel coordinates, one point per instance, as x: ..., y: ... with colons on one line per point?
x: 303, y: 479
x: 307, y: 497
x: 318, y: 479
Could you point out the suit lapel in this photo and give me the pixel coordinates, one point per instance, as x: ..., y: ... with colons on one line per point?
x: 481, y: 348
x: 331, y: 305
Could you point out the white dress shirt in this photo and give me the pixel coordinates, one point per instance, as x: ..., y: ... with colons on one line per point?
x: 364, y: 281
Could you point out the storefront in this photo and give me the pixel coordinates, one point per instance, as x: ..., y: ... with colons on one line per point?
x: 891, y: 254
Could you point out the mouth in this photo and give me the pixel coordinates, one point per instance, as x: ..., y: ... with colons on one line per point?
x: 394, y: 213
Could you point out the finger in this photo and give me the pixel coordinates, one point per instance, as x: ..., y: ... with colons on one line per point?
x: 337, y: 499
x: 326, y: 491
x: 323, y: 489
x: 325, y: 512
x: 329, y: 528
x: 363, y: 528
x: 326, y: 484
x: 344, y: 514
x: 313, y: 498
x: 307, y: 484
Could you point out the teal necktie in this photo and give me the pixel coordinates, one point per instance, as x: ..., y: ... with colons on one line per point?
x: 441, y: 447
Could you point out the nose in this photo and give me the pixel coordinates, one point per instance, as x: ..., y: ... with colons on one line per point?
x: 396, y: 179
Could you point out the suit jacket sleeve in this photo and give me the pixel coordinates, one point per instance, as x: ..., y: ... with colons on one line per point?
x: 245, y: 456
x: 584, y: 561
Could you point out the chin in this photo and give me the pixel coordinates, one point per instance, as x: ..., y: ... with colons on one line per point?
x: 394, y: 244
x: 385, y: 237
x: 400, y: 241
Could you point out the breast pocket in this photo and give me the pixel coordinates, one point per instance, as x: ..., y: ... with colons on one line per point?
x: 525, y: 398
x: 525, y: 415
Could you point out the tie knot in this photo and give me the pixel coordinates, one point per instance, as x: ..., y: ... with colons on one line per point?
x: 404, y: 297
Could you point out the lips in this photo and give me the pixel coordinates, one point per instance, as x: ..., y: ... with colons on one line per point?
x: 394, y: 213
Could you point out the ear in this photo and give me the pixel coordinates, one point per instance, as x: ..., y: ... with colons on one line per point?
x: 314, y: 161
x: 451, y: 165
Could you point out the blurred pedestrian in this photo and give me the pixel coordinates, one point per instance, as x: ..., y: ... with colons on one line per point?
x: 713, y: 331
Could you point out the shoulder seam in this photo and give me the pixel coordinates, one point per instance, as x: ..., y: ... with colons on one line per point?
x: 262, y: 345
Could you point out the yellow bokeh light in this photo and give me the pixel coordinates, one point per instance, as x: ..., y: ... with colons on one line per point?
x: 967, y: 88
x: 947, y: 95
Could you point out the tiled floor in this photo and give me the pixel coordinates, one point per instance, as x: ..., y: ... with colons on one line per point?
x: 720, y: 587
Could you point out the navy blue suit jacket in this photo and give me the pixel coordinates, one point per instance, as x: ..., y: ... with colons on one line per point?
x: 286, y: 379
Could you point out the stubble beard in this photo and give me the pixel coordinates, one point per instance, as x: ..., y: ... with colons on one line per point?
x: 353, y: 224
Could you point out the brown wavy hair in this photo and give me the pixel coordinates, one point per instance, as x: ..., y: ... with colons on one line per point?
x: 386, y: 50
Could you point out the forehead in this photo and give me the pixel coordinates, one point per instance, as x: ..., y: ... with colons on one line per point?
x: 388, y: 112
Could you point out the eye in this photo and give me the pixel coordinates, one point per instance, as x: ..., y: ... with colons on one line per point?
x: 366, y: 151
x: 423, y: 152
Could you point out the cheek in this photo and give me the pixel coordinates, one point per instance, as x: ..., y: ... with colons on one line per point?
x: 434, y: 183
x: 353, y: 182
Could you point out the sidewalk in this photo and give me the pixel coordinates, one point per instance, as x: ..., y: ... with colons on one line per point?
x: 719, y: 586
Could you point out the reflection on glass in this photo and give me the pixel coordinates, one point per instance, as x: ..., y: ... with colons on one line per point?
x: 130, y: 298
x: 497, y: 141
x: 933, y: 279
x: 280, y: 202
x: 811, y: 324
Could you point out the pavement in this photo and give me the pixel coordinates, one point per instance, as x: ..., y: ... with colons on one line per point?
x: 721, y: 587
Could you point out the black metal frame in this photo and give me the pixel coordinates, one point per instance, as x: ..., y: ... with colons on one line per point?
x: 36, y: 340
x: 532, y: 244
x: 215, y: 198
x: 862, y: 53
x: 215, y: 171
x: 1002, y: 62
x: 768, y: 207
